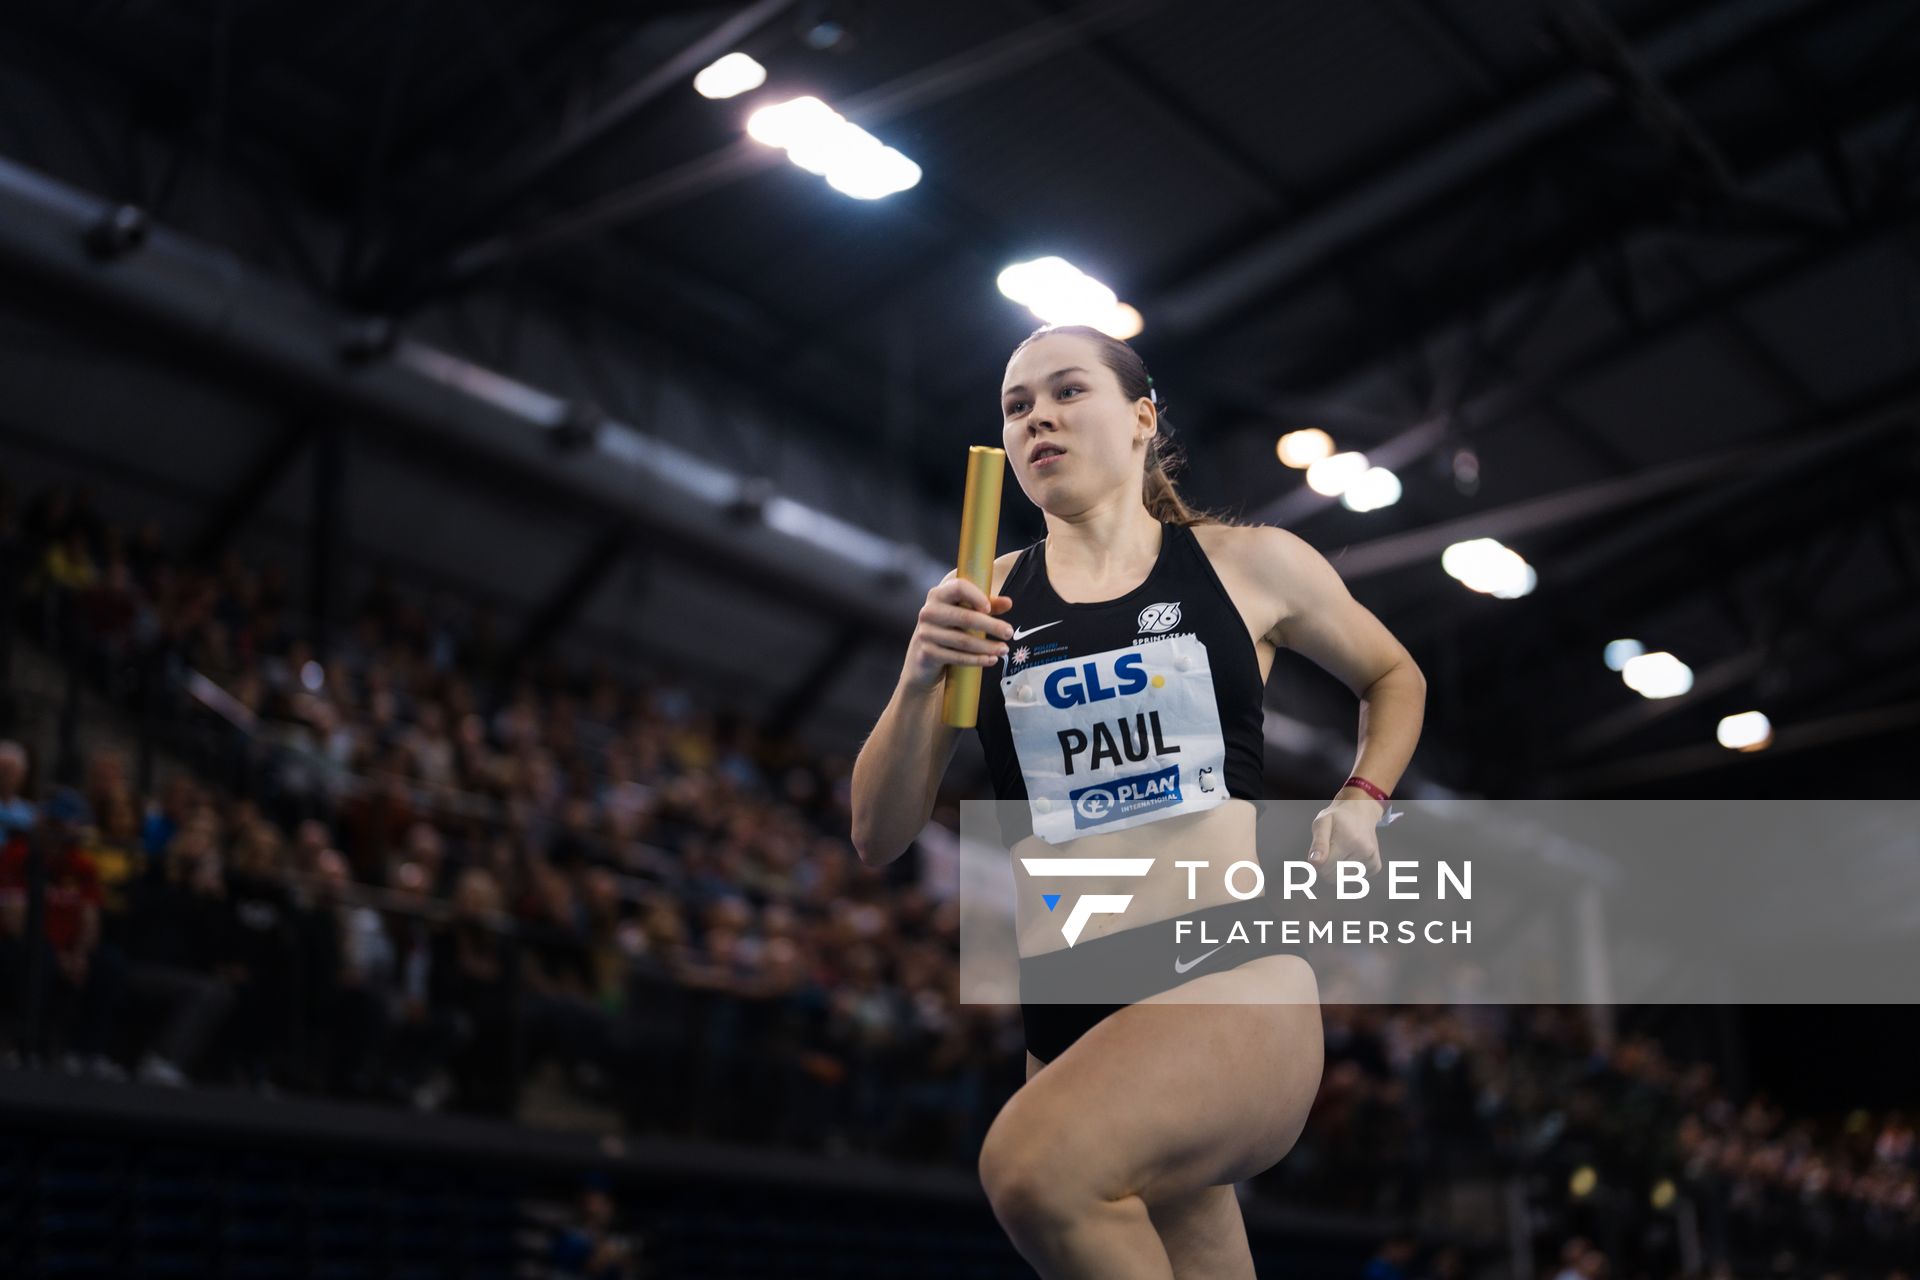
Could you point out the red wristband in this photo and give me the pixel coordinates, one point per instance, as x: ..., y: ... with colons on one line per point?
x: 1357, y: 781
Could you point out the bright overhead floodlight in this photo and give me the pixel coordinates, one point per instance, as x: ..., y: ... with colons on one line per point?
x: 1745, y: 731
x: 1301, y: 449
x: 1657, y: 675
x: 821, y: 140
x: 1374, y: 488
x: 1331, y: 476
x: 1490, y: 567
x: 1620, y: 652
x: 1060, y: 293
x: 729, y: 77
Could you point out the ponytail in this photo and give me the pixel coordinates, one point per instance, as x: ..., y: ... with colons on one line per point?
x: 1162, y: 499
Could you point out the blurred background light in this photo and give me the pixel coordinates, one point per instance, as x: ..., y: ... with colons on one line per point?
x: 1657, y: 675
x: 1488, y: 566
x: 1331, y: 475
x: 1301, y: 449
x: 1375, y: 487
x: 1060, y: 293
x: 1619, y: 652
x: 821, y: 140
x: 1745, y: 731
x: 729, y: 77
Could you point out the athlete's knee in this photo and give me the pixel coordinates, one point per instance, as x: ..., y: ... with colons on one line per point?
x: 1029, y: 1177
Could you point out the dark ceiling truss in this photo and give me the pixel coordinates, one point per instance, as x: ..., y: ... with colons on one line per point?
x: 1472, y: 417
x: 1832, y: 444
x: 244, y: 500
x: 1894, y: 165
x: 1717, y: 482
x: 1593, y: 41
x: 1484, y: 272
x: 1900, y: 531
x: 1504, y: 406
x: 367, y: 209
x: 566, y: 601
x: 1140, y: 85
x: 1272, y: 262
x: 1579, y: 603
x: 1489, y: 267
x: 1120, y: 74
x: 1668, y: 767
x: 806, y: 692
x: 1496, y: 410
x: 326, y: 536
x: 607, y: 211
x: 479, y: 204
x: 1808, y: 635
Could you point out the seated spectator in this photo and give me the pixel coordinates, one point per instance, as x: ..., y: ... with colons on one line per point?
x: 70, y: 981
x: 113, y: 842
x: 589, y: 1248
x: 473, y: 981
x: 17, y: 813
x: 261, y: 963
x: 167, y: 815
x: 181, y: 948
x: 350, y: 966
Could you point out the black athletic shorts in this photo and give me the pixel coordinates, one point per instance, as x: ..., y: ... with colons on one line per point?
x: 1136, y: 963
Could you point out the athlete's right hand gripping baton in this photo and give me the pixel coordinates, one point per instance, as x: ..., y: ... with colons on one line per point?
x: 979, y: 538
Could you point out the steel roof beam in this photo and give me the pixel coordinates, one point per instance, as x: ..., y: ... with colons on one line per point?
x: 457, y: 416
x: 1346, y: 220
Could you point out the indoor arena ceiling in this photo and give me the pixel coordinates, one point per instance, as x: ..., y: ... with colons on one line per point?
x: 1631, y: 286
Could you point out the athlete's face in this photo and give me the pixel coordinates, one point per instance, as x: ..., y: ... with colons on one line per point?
x: 1072, y: 435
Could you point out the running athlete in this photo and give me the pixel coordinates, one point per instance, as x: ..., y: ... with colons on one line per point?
x: 1123, y: 659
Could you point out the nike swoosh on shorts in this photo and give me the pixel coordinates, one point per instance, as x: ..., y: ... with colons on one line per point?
x: 1181, y: 966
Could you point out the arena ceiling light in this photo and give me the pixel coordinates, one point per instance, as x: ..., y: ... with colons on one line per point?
x: 821, y: 140
x: 729, y: 77
x: 1490, y: 567
x: 1333, y: 475
x: 1620, y: 652
x: 1374, y: 488
x: 1657, y: 675
x: 1301, y: 449
x: 1060, y: 293
x: 1745, y: 731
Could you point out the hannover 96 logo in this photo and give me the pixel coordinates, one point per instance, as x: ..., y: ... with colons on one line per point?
x: 1156, y: 618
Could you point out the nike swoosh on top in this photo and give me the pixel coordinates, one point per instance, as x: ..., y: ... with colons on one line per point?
x: 1019, y: 634
x: 1180, y: 966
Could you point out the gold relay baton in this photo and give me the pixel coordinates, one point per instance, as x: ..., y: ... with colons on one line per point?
x: 979, y: 539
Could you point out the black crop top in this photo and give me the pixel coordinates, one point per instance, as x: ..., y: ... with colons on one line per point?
x: 1182, y: 596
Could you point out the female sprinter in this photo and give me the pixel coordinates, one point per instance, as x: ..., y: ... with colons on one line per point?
x: 1119, y: 1155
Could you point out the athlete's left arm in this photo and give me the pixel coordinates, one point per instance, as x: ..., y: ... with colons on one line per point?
x: 1320, y: 619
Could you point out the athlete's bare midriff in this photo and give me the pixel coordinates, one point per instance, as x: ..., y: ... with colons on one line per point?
x: 1220, y: 836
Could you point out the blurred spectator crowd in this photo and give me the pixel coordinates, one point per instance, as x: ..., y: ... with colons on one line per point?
x: 400, y: 863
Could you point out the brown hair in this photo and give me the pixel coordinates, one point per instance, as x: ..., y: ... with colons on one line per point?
x: 1162, y: 499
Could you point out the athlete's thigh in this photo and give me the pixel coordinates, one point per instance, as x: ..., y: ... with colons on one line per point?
x: 1181, y: 1092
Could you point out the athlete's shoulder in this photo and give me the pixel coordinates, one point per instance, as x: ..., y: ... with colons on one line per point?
x: 1276, y: 573
x: 1002, y: 566
x: 1260, y: 549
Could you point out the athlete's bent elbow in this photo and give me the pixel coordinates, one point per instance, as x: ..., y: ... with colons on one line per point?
x: 867, y: 843
x: 872, y: 851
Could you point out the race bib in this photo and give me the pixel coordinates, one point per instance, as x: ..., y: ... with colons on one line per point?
x: 1118, y: 739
